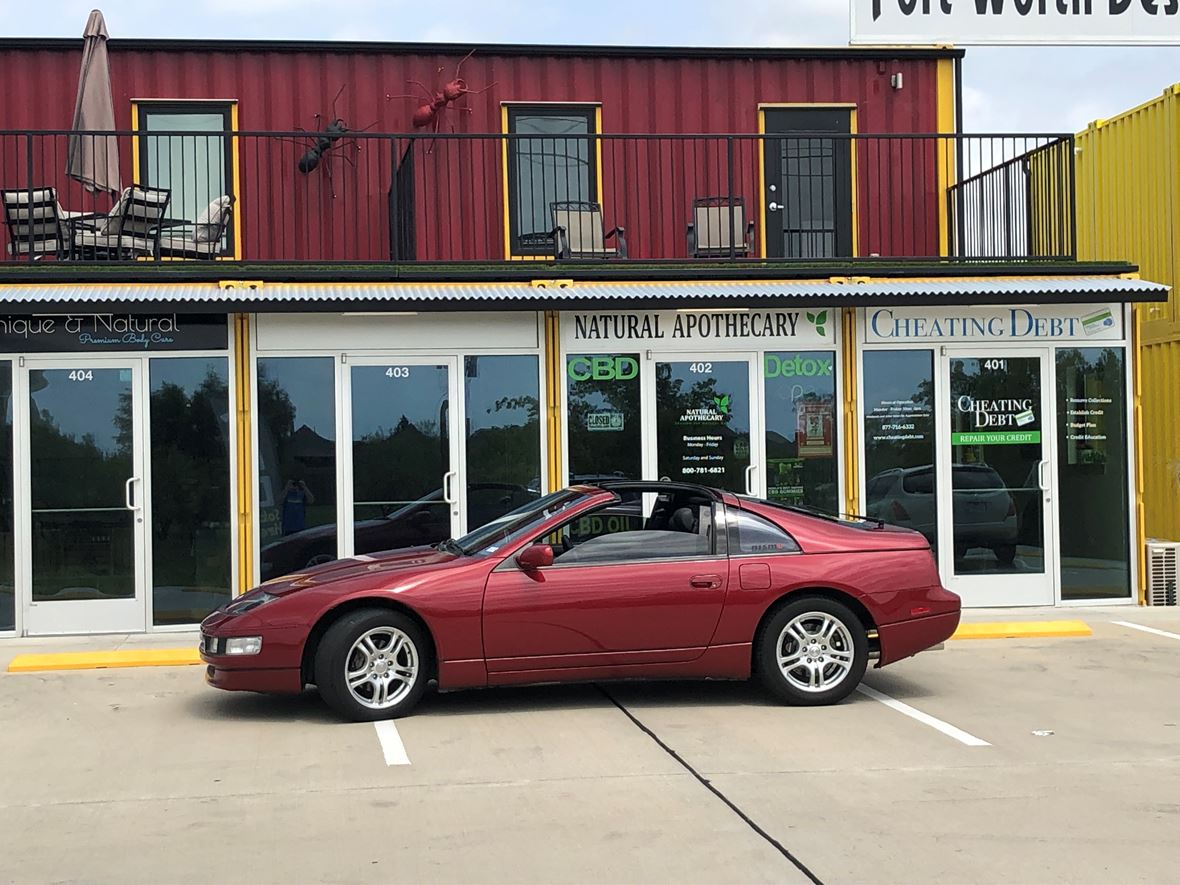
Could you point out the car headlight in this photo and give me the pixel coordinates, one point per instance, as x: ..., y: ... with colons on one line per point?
x: 249, y: 603
x: 243, y: 645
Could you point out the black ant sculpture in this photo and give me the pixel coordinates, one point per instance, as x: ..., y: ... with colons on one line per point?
x: 326, y: 139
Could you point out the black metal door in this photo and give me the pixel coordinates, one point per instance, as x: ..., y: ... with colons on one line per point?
x: 807, y: 204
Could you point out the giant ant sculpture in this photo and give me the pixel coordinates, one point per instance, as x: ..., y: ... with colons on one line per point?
x: 430, y: 113
x: 325, y: 139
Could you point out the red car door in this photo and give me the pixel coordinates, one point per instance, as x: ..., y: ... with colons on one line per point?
x: 641, y: 596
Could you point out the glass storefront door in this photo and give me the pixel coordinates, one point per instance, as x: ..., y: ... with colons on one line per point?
x: 708, y: 425
x: 995, y: 537
x: 84, y: 481
x: 403, y: 487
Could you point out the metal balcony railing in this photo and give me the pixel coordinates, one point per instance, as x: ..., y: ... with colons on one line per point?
x: 421, y: 199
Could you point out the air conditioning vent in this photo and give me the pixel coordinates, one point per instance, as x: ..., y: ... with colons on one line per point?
x: 1162, y: 559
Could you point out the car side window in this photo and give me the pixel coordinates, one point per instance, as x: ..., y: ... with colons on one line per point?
x: 757, y: 535
x: 663, y: 526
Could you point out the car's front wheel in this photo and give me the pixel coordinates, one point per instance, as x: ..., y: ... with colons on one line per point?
x: 812, y: 651
x: 372, y: 664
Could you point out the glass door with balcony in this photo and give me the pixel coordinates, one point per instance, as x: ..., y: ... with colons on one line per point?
x: 403, y: 486
x: 83, y: 470
x: 996, y: 543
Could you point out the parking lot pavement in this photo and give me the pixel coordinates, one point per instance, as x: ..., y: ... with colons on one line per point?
x: 147, y: 775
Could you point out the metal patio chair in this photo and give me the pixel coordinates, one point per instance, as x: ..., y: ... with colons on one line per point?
x: 37, y: 225
x: 717, y: 222
x: 578, y: 232
x: 200, y: 239
x: 130, y: 230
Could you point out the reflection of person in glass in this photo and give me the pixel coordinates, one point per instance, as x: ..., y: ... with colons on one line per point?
x: 297, y: 497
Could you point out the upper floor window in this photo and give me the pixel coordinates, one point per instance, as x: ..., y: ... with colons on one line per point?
x: 556, y: 164
x: 180, y: 149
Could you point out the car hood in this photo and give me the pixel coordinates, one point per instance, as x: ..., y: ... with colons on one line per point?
x: 366, y: 565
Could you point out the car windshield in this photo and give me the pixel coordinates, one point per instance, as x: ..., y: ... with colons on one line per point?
x: 505, y: 529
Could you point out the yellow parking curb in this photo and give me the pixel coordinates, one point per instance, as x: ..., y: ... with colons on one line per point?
x: 100, y: 660
x: 1022, y: 630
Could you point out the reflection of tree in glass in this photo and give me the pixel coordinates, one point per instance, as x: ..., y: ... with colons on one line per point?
x: 402, y: 464
x: 610, y: 452
x: 510, y: 451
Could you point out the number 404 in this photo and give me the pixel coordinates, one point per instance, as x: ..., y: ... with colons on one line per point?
x: 82, y: 375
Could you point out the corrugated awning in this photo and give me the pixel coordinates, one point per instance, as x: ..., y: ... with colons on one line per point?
x: 526, y: 296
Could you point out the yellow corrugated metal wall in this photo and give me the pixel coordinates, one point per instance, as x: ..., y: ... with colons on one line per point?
x: 1128, y: 192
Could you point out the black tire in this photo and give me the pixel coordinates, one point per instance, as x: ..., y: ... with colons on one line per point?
x: 332, y: 663
x: 849, y: 632
x: 1005, y: 553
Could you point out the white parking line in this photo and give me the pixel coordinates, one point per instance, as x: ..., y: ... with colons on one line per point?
x: 391, y: 743
x: 1147, y: 629
x: 926, y: 719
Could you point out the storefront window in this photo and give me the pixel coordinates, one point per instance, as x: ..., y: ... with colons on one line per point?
x: 899, y: 439
x: 605, y: 439
x: 801, y: 428
x: 1092, y: 473
x: 190, y: 488
x: 7, y: 580
x: 503, y: 435
x: 703, y: 422
x: 296, y: 405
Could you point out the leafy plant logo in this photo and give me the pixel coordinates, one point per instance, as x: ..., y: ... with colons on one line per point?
x: 722, y: 403
x: 819, y: 320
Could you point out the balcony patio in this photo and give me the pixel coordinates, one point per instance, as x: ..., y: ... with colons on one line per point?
x: 212, y: 205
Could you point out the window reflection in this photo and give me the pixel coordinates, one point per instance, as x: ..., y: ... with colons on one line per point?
x: 503, y: 435
x: 191, y: 573
x: 1092, y: 473
x: 603, y: 415
x: 296, y: 405
x: 899, y: 439
x: 801, y: 429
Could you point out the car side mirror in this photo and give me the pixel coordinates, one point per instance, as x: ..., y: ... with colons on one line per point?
x: 535, y: 556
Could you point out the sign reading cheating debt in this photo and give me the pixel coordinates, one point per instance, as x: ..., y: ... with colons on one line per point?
x: 1033, y: 22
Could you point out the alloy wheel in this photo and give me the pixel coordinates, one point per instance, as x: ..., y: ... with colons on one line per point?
x: 381, y: 668
x: 815, y: 651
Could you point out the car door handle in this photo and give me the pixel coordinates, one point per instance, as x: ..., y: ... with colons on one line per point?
x: 705, y: 581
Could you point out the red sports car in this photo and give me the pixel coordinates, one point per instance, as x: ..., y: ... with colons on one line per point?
x: 615, y: 580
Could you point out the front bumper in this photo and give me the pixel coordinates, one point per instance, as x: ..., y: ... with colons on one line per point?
x: 277, y: 681
x: 276, y: 668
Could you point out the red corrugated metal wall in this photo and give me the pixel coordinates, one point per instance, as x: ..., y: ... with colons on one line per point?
x: 458, y: 187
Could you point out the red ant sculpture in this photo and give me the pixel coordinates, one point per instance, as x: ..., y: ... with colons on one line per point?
x: 430, y: 113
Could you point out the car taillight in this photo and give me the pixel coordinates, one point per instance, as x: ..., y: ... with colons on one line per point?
x: 897, y: 511
x: 1011, y: 507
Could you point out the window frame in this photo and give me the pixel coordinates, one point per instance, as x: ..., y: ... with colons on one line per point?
x: 511, y: 112
x: 142, y: 108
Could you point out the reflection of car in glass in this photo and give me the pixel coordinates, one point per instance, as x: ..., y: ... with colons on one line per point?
x: 424, y: 521
x: 984, y: 511
x: 618, y: 580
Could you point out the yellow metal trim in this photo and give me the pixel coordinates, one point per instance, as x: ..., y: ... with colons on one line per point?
x: 553, y: 382
x: 102, y: 660
x: 945, y: 122
x: 851, y: 422
x: 761, y: 183
x: 854, y: 208
x: 1022, y: 630
x: 504, y: 180
x: 598, y: 151
x: 244, y: 454
x: 1134, y: 354
x: 135, y: 142
x: 235, y: 153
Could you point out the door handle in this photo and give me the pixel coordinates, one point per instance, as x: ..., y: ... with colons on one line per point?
x: 774, y: 207
x: 127, y: 501
x: 705, y: 581
x: 749, y: 484
x: 1041, y: 465
x: 449, y: 487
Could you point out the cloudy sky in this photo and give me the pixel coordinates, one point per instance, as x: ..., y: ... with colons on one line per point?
x: 1042, y: 89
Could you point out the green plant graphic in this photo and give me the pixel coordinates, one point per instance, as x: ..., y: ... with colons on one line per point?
x: 722, y: 403
x: 819, y: 320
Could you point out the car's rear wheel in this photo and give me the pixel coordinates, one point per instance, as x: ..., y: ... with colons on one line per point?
x: 812, y: 651
x: 372, y: 664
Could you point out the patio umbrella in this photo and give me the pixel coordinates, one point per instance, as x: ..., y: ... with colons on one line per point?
x: 93, y: 159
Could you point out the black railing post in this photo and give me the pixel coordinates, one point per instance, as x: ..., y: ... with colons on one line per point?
x: 393, y: 206
x: 29, y: 194
x: 1071, y: 207
x: 729, y: 196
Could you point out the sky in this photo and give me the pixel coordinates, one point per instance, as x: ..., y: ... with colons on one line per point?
x: 1005, y: 89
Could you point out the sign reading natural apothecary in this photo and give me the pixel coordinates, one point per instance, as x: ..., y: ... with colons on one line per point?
x: 716, y: 329
x: 102, y: 332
